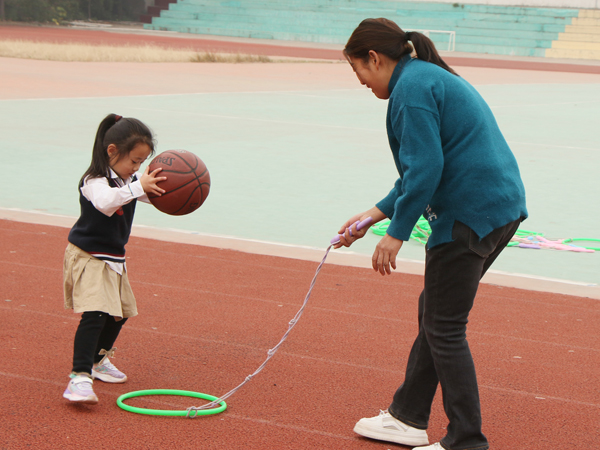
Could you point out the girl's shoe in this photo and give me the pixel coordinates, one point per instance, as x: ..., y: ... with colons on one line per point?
x: 107, y: 372
x: 80, y: 390
x: 436, y: 446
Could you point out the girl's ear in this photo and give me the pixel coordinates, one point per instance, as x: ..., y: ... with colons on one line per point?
x: 112, y: 151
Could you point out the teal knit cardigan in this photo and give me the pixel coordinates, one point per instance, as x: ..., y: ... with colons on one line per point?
x: 453, y: 161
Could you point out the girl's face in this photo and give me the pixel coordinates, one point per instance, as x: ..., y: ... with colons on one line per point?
x: 375, y: 73
x: 127, y: 165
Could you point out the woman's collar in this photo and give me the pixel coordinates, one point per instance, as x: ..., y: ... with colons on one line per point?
x: 397, y: 71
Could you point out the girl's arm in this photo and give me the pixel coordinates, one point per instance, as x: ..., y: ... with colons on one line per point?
x: 107, y: 199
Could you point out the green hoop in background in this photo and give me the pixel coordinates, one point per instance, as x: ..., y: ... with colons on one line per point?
x: 585, y: 240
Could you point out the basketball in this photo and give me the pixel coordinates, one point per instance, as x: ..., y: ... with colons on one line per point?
x: 187, y: 184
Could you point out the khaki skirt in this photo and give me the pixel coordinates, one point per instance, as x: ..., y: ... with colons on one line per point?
x: 91, y: 285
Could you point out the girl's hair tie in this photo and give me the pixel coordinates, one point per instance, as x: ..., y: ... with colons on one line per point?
x: 117, y: 118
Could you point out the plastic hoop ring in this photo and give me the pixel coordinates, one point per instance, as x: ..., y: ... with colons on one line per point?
x: 380, y: 228
x: 167, y: 412
x: 583, y: 239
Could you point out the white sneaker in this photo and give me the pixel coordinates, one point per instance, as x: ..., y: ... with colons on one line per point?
x: 384, y: 427
x: 80, y: 390
x: 106, y: 371
x: 436, y: 446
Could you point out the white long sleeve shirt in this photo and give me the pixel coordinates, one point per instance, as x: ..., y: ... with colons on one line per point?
x: 108, y: 200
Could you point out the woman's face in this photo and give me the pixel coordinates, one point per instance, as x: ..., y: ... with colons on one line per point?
x: 373, y: 74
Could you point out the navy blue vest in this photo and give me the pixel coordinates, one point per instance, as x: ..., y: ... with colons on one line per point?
x: 102, y: 236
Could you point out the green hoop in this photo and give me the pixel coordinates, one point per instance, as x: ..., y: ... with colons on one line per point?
x: 583, y: 239
x: 167, y: 412
x: 380, y: 228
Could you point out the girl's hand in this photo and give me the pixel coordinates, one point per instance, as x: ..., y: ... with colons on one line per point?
x: 349, y: 234
x: 149, y: 182
x: 385, y: 253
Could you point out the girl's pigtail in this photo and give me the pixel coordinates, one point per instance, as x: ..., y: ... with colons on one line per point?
x: 100, y: 162
x: 426, y: 50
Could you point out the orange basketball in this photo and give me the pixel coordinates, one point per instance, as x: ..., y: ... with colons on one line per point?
x: 187, y: 184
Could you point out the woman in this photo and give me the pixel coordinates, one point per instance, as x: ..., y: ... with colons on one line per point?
x: 457, y: 170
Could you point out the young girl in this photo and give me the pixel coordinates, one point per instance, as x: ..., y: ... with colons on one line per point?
x: 457, y: 170
x: 95, y: 275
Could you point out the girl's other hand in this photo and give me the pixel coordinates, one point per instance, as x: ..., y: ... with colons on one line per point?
x: 149, y: 182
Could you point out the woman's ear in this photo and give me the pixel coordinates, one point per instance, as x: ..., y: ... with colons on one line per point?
x: 374, y: 59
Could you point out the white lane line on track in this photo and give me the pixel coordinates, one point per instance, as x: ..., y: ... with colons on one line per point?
x: 491, y: 388
x: 187, y: 94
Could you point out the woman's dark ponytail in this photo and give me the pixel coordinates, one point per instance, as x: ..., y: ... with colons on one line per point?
x: 125, y: 134
x: 426, y: 51
x: 386, y: 37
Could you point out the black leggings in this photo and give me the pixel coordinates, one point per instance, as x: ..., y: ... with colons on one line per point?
x: 97, y: 330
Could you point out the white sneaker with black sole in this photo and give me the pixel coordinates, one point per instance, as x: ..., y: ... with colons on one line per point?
x: 384, y: 427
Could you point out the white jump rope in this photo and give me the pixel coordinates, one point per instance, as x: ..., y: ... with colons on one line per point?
x: 292, y: 324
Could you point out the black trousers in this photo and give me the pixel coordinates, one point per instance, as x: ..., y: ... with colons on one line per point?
x: 440, y: 353
x: 97, y: 330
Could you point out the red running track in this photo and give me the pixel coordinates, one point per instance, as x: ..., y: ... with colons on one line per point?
x: 247, y: 46
x: 64, y: 35
x: 208, y: 317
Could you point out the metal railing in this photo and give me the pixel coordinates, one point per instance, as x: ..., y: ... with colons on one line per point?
x: 451, y: 37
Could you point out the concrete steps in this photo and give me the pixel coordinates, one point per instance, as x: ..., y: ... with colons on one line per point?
x: 580, y: 40
x: 502, y: 30
x: 153, y: 11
